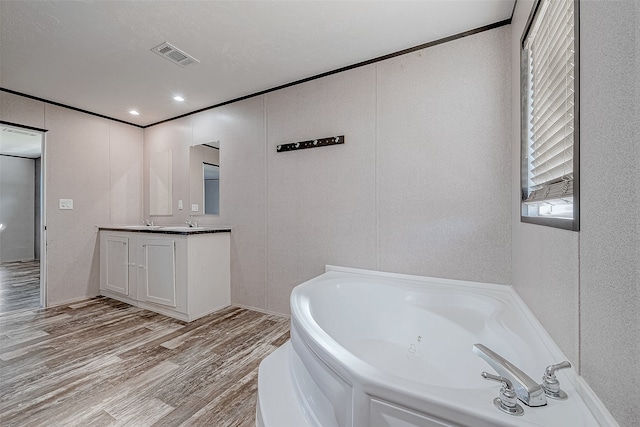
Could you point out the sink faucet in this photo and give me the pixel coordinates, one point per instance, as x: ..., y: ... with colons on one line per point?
x: 527, y: 390
x: 147, y: 223
x: 191, y: 224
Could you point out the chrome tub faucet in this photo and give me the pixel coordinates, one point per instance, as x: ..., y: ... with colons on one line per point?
x: 528, y: 391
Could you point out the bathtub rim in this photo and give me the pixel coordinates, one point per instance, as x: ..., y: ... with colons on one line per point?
x: 308, y: 337
x: 372, y: 376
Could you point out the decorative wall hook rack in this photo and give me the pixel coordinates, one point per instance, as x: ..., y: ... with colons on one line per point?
x: 320, y: 142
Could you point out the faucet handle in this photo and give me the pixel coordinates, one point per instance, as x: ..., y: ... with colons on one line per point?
x: 508, y: 400
x: 550, y: 383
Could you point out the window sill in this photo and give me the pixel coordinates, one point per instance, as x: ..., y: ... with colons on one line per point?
x: 562, y: 223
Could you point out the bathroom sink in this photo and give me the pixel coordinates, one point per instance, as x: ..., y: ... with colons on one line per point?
x: 139, y: 227
x: 182, y: 228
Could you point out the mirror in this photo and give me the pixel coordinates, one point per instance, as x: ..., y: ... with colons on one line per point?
x: 204, y: 171
x: 160, y: 183
x: 211, y: 189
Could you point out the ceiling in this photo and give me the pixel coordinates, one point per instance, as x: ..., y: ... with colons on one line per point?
x: 96, y: 55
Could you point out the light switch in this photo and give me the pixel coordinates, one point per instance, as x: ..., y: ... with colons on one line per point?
x: 66, y: 204
x: 180, y: 204
x: 194, y: 207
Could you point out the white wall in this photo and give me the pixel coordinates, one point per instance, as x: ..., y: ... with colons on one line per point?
x: 17, y: 208
x: 588, y: 294
x: 610, y: 204
x: 97, y: 163
x: 544, y: 259
x: 443, y: 157
x: 420, y: 186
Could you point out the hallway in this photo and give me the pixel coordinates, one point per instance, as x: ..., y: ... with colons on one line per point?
x: 19, y: 285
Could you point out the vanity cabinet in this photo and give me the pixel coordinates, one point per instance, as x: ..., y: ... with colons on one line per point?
x: 185, y: 276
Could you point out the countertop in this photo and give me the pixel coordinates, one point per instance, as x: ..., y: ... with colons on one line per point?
x: 166, y: 229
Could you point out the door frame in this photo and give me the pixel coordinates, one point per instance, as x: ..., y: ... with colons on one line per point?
x: 43, y: 220
x: 43, y: 201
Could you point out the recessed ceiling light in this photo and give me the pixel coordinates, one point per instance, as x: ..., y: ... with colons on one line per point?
x: 178, y: 98
x: 134, y: 112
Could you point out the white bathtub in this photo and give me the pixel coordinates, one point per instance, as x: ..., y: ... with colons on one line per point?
x: 379, y: 349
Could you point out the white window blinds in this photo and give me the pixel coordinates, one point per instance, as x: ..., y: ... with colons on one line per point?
x: 549, y: 51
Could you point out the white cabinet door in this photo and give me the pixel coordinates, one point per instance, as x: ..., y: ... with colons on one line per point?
x: 159, y: 266
x: 117, y: 263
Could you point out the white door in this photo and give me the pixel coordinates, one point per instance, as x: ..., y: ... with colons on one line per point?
x: 159, y: 271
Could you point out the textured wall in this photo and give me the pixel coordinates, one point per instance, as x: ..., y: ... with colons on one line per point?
x: 75, y: 151
x: 421, y: 185
x: 20, y: 110
x: 610, y: 205
x: 125, y: 173
x: 544, y: 259
x: 98, y: 164
x: 586, y: 285
x: 322, y: 201
x: 443, y: 157
x: 17, y: 208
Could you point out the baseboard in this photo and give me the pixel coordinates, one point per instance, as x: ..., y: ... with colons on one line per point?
x: 261, y: 310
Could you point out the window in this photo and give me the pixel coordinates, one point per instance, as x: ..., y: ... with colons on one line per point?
x: 549, y: 101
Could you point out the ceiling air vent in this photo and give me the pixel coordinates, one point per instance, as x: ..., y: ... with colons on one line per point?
x: 174, y: 54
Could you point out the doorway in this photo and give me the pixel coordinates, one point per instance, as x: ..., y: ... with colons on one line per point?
x: 22, y: 228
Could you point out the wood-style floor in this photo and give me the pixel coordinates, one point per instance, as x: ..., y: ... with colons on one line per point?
x: 19, y: 285
x: 105, y: 363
